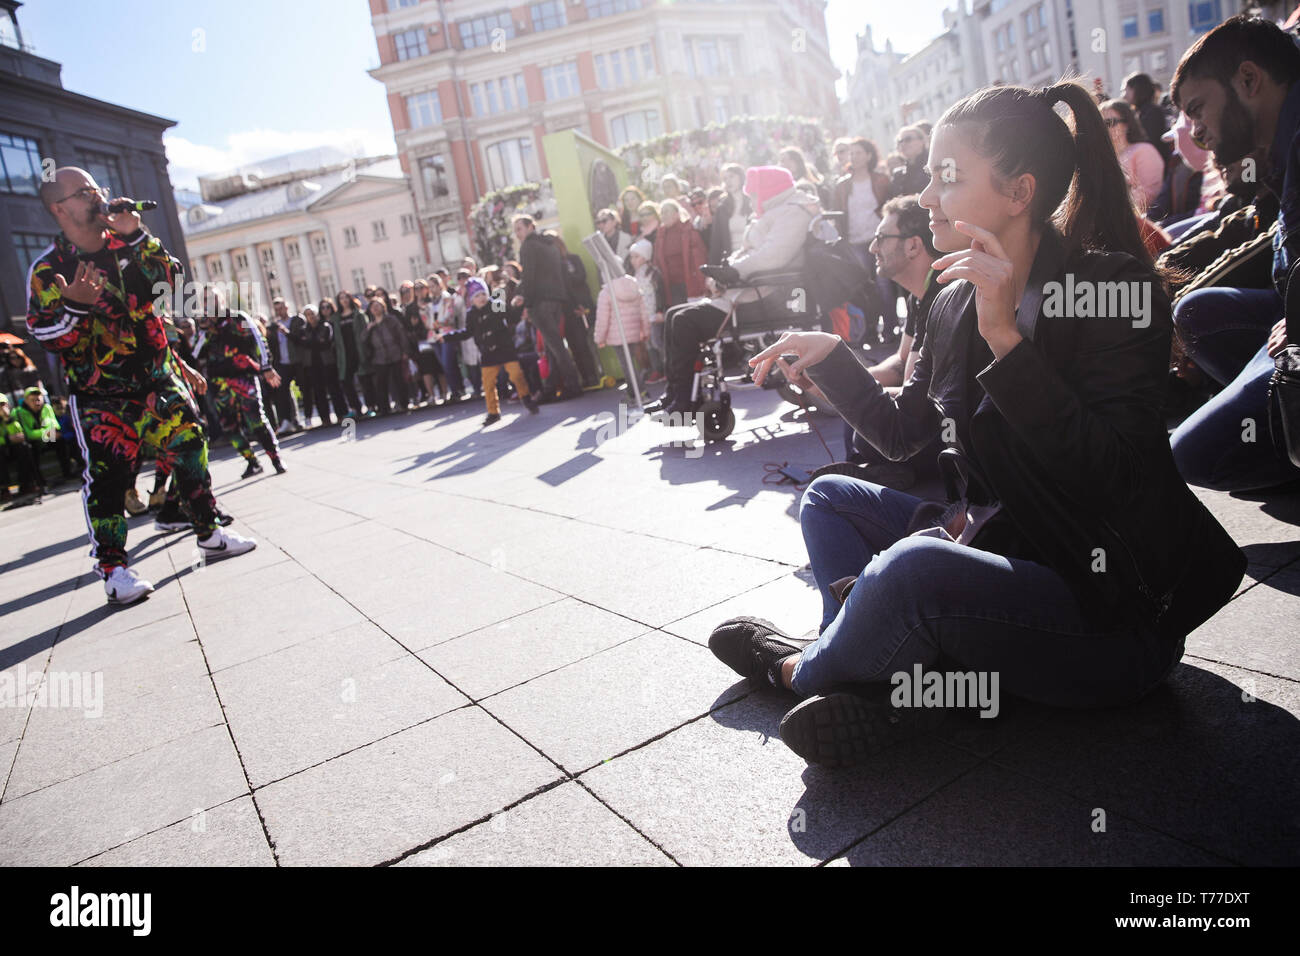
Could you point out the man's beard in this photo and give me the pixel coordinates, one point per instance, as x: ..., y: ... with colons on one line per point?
x: 1237, y: 135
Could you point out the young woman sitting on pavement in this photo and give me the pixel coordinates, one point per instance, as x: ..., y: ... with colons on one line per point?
x: 1074, y: 578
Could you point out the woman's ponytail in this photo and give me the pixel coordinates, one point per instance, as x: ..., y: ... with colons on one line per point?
x: 1098, y: 211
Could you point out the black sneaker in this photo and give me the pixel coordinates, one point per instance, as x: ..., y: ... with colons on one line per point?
x: 224, y: 519
x: 253, y: 469
x: 530, y: 404
x: 491, y: 419
x: 843, y: 729
x: 754, y: 648
x: 896, y: 475
x: 279, y: 468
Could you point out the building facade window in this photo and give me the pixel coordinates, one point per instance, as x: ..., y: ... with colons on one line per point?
x: 267, y: 255
x: 327, y: 286
x: 1129, y: 27
x: 511, y: 161
x: 399, y: 4
x: 359, y: 279
x: 29, y: 246
x: 414, y: 263
x: 1204, y: 15
x: 433, y: 174
x: 498, y: 96
x: 424, y: 109
x: 318, y: 245
x: 241, y: 260
x: 379, y: 229
x: 481, y: 31
x: 350, y: 236
x: 548, y: 15
x: 387, y: 276
x: 606, y: 8
x: 20, y: 165
x: 561, y: 82
x: 301, y: 294
x: 1159, y: 61
x: 408, y: 223
x: 104, y: 169
x: 635, y: 126
x: 410, y: 44
x: 291, y: 249
x: 1156, y: 21
x: 712, y: 56
x: 624, y: 67
x: 215, y: 268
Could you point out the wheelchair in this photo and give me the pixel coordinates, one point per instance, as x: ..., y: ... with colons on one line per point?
x: 790, y: 308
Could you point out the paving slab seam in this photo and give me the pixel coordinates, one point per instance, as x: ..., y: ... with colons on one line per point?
x: 645, y: 836
x: 49, y: 655
x: 545, y: 788
x: 225, y: 720
x: 1240, y: 667
x: 661, y: 735
x: 188, y: 816
x: 1089, y: 801
x: 906, y: 810
x: 579, y: 660
x: 1292, y: 565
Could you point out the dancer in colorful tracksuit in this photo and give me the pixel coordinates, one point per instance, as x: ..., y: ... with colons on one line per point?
x: 233, y: 353
x: 91, y: 302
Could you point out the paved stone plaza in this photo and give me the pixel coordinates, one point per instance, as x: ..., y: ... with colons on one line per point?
x: 465, y: 647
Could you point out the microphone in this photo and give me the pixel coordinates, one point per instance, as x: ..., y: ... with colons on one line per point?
x: 130, y: 205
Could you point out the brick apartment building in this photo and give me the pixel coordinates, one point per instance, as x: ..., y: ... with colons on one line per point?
x: 473, y: 85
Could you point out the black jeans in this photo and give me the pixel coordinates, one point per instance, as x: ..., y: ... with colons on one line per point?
x: 546, y: 318
x: 687, y: 327
x: 282, y: 397
x: 392, y: 374
x: 322, y: 383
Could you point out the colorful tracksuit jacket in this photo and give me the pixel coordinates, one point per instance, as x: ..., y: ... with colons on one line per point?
x: 118, y: 347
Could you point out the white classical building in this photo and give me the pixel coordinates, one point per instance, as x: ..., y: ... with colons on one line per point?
x: 869, y: 109
x: 305, y: 235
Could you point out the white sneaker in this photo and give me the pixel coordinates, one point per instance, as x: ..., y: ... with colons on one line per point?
x: 124, y: 586
x: 224, y: 544
x: 285, y: 428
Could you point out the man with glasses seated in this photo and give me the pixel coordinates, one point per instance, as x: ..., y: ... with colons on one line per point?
x: 92, y: 296
x: 904, y: 249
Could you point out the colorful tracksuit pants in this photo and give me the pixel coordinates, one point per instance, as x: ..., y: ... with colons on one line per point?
x: 112, y: 433
x: 239, y: 406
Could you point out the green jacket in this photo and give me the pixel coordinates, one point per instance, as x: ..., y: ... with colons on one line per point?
x: 9, y: 429
x: 33, y: 428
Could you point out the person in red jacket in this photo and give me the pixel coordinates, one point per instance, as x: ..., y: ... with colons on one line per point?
x: 679, y: 253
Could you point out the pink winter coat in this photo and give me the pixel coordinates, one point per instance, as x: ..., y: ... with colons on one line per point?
x: 631, y: 309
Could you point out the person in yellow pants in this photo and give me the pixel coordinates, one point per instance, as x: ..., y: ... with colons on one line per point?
x: 487, y: 322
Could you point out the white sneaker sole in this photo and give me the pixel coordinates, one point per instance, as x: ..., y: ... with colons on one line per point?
x: 123, y: 602
x: 213, y: 554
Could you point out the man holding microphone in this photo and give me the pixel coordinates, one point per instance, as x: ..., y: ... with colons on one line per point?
x: 92, y: 303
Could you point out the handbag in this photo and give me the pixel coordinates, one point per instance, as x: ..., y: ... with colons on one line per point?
x: 1284, y: 383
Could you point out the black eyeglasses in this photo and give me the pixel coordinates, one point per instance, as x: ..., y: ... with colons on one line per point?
x: 892, y: 235
x: 86, y: 192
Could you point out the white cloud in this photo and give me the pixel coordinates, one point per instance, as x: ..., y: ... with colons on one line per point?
x: 187, y: 161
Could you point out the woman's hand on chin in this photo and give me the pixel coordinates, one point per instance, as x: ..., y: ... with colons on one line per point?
x: 808, y: 348
x: 987, y: 267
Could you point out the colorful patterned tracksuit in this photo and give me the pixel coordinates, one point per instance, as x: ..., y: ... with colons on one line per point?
x: 126, y: 393
x: 233, y: 354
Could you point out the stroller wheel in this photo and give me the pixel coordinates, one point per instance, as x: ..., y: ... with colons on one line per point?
x: 792, y: 395
x: 716, y: 420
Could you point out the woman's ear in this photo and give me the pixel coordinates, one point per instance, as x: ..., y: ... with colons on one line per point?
x: 1021, y: 192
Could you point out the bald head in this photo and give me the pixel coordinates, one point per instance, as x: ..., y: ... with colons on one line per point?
x: 67, y: 180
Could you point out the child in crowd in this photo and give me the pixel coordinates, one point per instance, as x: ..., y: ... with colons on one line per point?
x: 634, y: 314
x: 41, y: 430
x: 650, y: 284
x: 491, y: 331
x: 63, y: 415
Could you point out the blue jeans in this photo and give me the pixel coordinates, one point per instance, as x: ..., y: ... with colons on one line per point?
x: 920, y: 600
x: 1225, y: 444
x: 449, y: 356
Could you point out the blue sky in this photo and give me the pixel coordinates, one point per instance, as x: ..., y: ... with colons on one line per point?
x: 248, y: 80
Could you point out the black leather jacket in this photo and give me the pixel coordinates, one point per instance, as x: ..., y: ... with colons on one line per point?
x: 1067, y: 432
